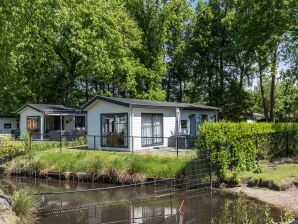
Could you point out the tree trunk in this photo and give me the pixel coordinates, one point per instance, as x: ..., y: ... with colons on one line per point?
x: 263, y: 93
x: 180, y: 88
x: 272, y: 91
x: 87, y: 90
x: 71, y: 83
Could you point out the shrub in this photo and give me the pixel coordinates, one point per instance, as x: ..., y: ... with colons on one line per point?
x: 9, y: 150
x: 24, y: 205
x: 236, y: 146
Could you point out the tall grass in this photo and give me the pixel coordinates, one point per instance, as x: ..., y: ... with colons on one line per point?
x: 102, y: 163
x: 24, y: 205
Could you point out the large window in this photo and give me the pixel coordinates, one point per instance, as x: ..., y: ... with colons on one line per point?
x: 152, y: 129
x: 33, y: 124
x: 114, y: 130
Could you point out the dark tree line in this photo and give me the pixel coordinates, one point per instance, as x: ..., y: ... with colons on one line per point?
x: 238, y: 55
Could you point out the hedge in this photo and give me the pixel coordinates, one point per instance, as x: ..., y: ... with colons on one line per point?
x: 236, y: 147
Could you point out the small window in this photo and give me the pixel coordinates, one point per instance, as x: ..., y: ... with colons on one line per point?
x: 80, y: 121
x: 7, y: 126
x: 183, y: 123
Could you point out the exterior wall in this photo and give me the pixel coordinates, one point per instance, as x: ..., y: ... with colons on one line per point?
x: 23, y: 119
x: 69, y: 123
x: 7, y: 120
x: 169, y: 122
x: 135, y: 122
x: 93, y: 123
x: 185, y: 116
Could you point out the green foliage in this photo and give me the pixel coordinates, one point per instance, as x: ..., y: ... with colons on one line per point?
x: 236, y: 146
x: 9, y: 150
x: 23, y: 204
x: 281, y: 175
x: 101, y: 163
x: 191, y: 51
x: 243, y: 211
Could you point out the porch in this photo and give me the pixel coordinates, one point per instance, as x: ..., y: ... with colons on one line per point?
x: 56, y: 127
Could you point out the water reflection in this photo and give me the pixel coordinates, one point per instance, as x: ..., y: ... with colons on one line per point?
x: 202, y: 207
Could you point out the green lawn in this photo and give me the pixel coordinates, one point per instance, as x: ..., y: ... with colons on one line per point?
x: 159, y: 165
x: 283, y: 174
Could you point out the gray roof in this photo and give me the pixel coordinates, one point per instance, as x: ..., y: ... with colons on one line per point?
x: 8, y: 115
x: 50, y: 108
x: 150, y: 104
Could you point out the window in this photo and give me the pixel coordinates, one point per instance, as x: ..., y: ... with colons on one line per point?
x: 204, y: 118
x: 33, y: 124
x: 114, y: 130
x: 80, y: 121
x: 152, y: 129
x: 7, y: 126
x: 183, y: 123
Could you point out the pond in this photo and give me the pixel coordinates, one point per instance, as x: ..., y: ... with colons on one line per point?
x: 199, y: 207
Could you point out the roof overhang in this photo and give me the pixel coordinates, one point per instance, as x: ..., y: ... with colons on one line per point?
x: 27, y: 105
x: 133, y: 105
x: 96, y: 98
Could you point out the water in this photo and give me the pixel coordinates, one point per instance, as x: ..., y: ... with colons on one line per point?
x: 199, y: 207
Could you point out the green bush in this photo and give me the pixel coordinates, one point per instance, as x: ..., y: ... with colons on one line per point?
x: 9, y: 150
x: 235, y: 147
x: 23, y: 204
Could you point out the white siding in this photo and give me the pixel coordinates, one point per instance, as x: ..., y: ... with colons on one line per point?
x: 27, y: 111
x: 135, y: 121
x: 7, y: 120
x: 69, y: 123
x: 93, y: 122
x: 185, y: 116
x: 169, y: 120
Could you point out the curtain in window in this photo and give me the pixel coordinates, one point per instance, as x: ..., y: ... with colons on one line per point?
x: 147, y: 129
x: 152, y: 129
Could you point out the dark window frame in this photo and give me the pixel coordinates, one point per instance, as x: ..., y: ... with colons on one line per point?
x: 84, y: 121
x: 7, y: 125
x: 102, y: 135
x: 162, y: 130
x: 184, y: 124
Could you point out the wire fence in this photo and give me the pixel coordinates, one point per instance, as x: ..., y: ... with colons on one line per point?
x: 197, y: 175
x: 117, y: 142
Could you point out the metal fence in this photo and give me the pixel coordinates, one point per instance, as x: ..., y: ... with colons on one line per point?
x: 197, y: 175
x: 275, y: 144
x: 174, y: 144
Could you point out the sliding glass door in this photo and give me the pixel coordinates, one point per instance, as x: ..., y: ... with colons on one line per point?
x: 152, y: 129
x: 114, y: 130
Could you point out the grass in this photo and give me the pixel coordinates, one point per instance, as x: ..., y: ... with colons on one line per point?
x: 24, y: 205
x: 157, y: 165
x: 282, y: 174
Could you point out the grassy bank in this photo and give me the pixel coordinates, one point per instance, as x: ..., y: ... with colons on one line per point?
x: 273, y: 176
x: 100, y: 163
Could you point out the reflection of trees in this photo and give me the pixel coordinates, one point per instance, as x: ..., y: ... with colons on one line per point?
x: 242, y: 210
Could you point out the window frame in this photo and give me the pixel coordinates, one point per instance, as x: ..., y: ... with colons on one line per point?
x: 5, y: 125
x: 80, y: 117
x: 127, y: 129
x: 39, y: 124
x: 162, y: 130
